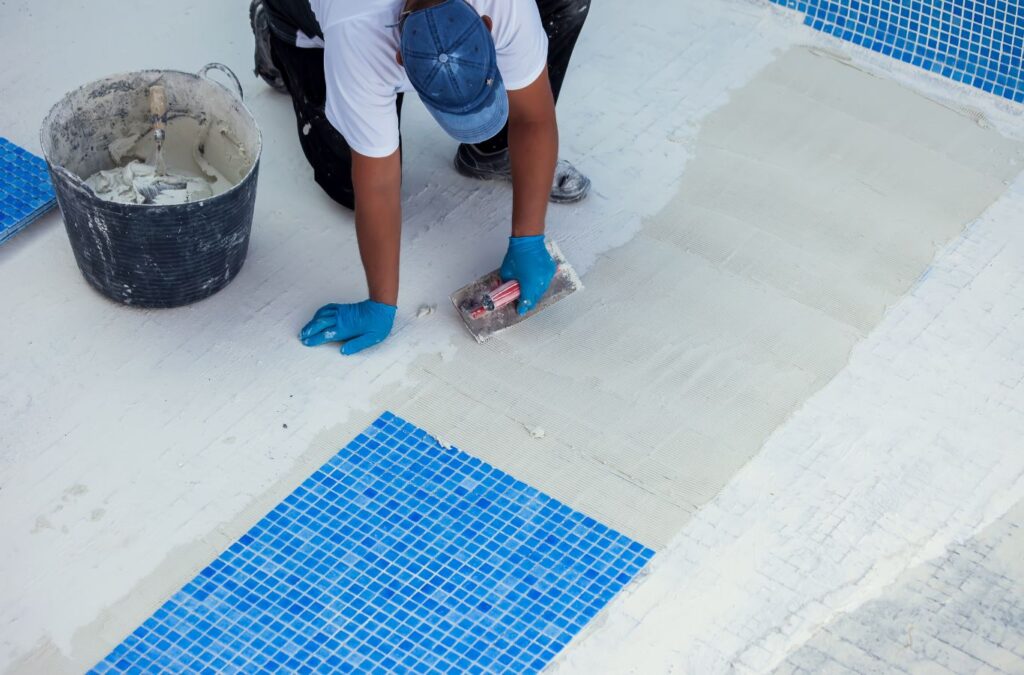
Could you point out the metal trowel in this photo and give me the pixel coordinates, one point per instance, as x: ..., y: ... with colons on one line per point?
x: 488, y: 305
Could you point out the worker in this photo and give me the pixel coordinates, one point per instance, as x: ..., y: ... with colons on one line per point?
x: 488, y: 71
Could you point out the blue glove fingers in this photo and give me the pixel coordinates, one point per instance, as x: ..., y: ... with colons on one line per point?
x: 360, y: 343
x: 327, y: 312
x: 529, y: 262
x: 346, y: 323
x: 316, y: 326
x: 377, y: 320
x: 359, y: 326
x: 332, y: 334
x: 531, y: 294
x: 326, y: 315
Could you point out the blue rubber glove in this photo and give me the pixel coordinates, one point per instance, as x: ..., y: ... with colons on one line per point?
x: 359, y: 326
x: 529, y: 263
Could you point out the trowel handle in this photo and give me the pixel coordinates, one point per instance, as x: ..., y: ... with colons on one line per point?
x: 505, y: 294
x: 158, y: 106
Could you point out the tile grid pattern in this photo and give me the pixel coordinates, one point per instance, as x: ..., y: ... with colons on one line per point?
x: 397, y: 555
x: 25, y: 190
x: 977, y: 42
x: 962, y: 612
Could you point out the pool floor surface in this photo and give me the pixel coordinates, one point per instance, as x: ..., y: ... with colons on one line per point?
x: 772, y: 219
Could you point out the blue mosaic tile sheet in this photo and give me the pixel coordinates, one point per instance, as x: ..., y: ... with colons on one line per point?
x: 25, y: 189
x: 978, y: 42
x: 398, y: 555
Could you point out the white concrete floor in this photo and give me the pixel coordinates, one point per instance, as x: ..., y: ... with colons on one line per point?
x: 812, y: 421
x: 877, y: 529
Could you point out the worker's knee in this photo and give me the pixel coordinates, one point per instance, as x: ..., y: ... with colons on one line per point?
x: 335, y: 188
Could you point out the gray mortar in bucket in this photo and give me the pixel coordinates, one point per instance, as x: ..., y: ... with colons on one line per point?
x: 155, y: 255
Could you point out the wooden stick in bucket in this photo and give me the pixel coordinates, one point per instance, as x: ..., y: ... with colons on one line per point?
x: 158, y: 110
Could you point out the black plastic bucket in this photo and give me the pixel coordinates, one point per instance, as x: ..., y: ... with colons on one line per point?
x: 151, y: 255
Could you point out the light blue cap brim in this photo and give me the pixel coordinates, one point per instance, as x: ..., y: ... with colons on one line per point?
x: 478, y: 126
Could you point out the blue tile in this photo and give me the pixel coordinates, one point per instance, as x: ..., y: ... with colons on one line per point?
x: 977, y: 43
x: 397, y: 555
x: 25, y: 190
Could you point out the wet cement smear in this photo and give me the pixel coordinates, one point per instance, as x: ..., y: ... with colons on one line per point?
x: 190, y: 176
x: 814, y: 200
x: 141, y: 183
x: 878, y: 529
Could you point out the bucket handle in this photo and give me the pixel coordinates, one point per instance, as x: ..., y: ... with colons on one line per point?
x: 204, y: 72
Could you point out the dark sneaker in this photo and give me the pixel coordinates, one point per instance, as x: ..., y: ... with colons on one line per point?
x: 265, y: 67
x: 472, y: 163
x: 569, y: 186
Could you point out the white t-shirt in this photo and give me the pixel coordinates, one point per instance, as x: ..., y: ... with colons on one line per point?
x: 361, y: 41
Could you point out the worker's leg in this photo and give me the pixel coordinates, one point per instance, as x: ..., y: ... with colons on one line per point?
x: 563, y: 21
x: 327, y: 151
x: 259, y: 20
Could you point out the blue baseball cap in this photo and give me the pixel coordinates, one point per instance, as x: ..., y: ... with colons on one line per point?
x: 449, y: 57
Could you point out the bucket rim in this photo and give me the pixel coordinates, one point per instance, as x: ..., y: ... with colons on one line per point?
x: 80, y: 182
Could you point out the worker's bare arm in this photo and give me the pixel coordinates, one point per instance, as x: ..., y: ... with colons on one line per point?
x: 361, y: 325
x: 378, y: 185
x: 533, y: 146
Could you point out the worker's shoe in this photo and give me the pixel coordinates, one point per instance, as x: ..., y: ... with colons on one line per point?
x: 265, y: 67
x: 569, y: 186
